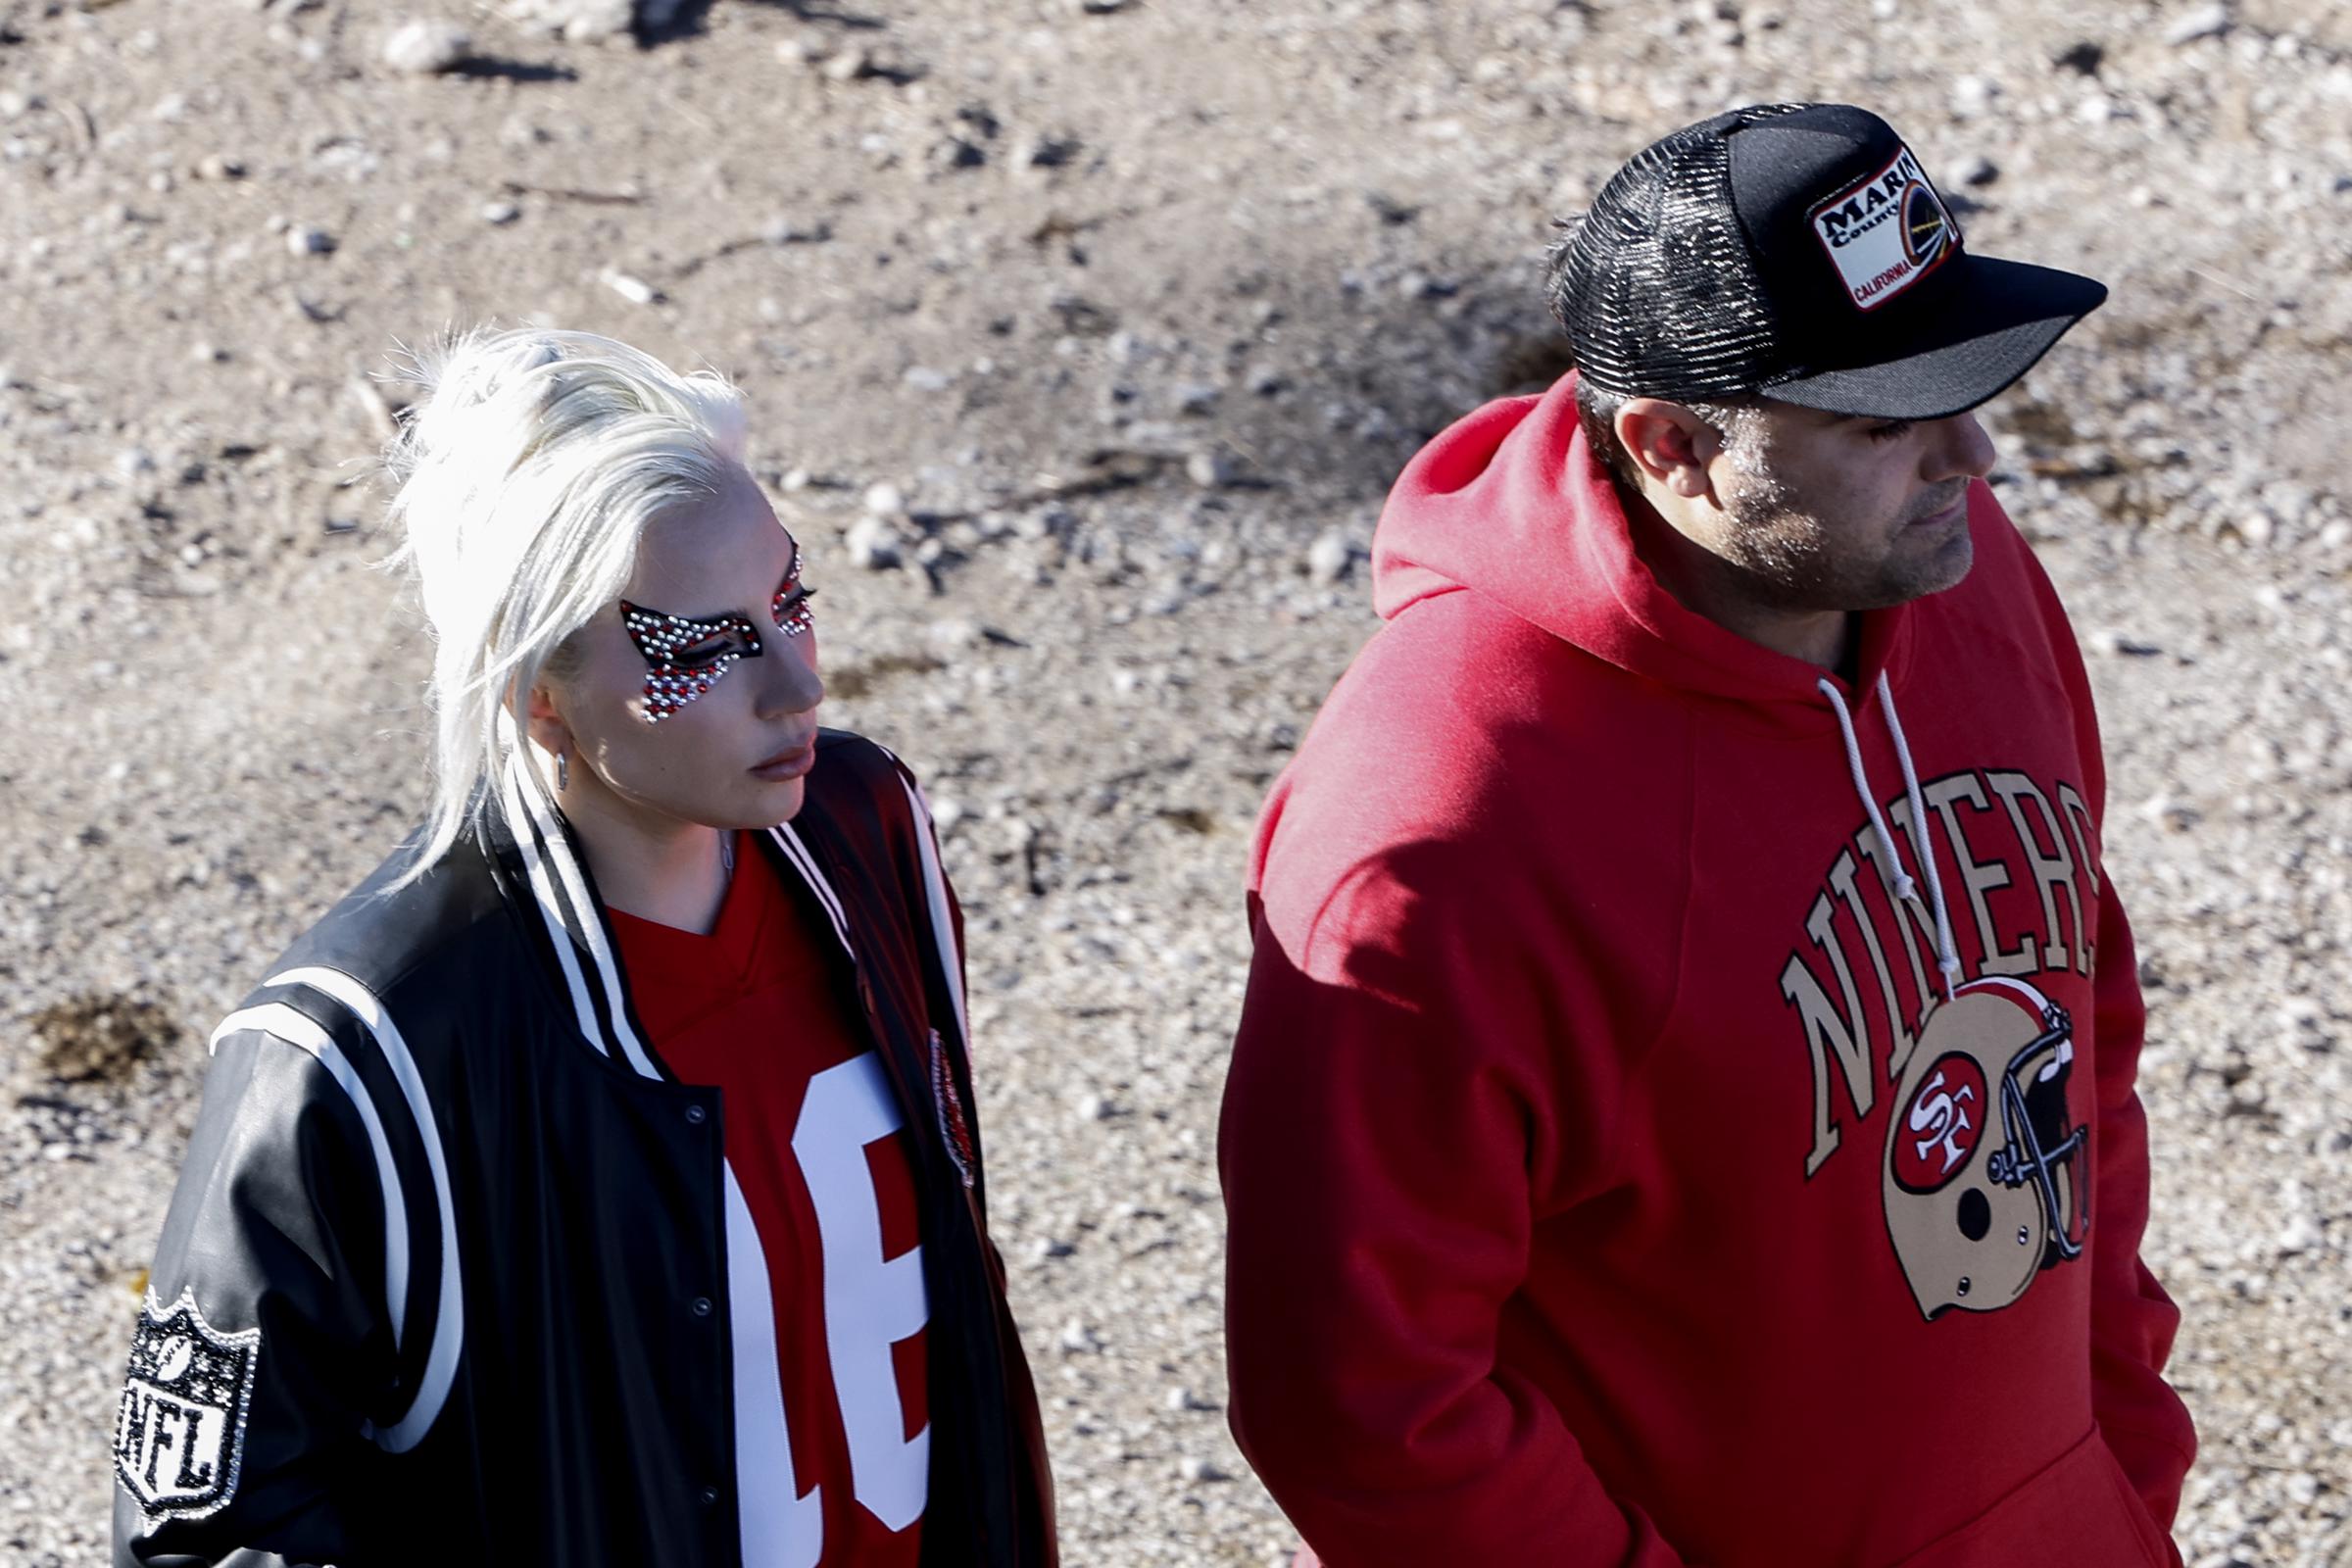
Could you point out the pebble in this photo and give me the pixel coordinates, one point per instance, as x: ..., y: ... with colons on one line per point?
x: 303, y: 240
x: 1329, y: 556
x: 1212, y: 468
x: 636, y: 290
x: 850, y: 65
x: 1978, y: 170
x: 2199, y: 21
x: 500, y: 213
x: 788, y: 232
x: 874, y: 543
x: 218, y: 167
x: 884, y: 500
x: 428, y: 48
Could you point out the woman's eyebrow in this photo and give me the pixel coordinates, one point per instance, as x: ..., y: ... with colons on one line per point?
x: 792, y: 570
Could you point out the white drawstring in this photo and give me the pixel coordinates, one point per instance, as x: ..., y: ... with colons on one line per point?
x: 1947, y: 962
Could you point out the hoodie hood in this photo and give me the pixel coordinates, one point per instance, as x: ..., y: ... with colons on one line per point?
x: 1511, y: 503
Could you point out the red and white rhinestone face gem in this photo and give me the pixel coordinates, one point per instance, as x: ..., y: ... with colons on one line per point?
x: 686, y: 655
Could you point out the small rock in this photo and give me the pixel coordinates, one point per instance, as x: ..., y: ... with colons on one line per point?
x: 2257, y: 528
x: 874, y: 543
x: 1979, y: 171
x: 1100, y: 8
x: 216, y: 165
x: 1197, y: 397
x: 851, y: 65
x: 1077, y: 1339
x: 636, y: 290
x: 428, y: 48
x: 787, y: 232
x: 1092, y: 1108
x: 2300, y: 1234
x: 500, y: 213
x: 2199, y: 21
x: 1050, y: 152
x: 954, y: 152
x: 885, y: 499
x: 1266, y: 381
x: 1329, y: 556
x: 303, y: 240
x: 586, y: 21
x: 131, y: 461
x: 2082, y: 57
x: 1196, y: 1470
x: 1212, y: 469
x: 923, y: 378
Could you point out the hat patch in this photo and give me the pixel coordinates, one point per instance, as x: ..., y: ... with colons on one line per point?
x: 1887, y: 232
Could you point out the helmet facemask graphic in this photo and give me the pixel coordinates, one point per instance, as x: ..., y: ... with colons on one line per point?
x: 1984, y: 1161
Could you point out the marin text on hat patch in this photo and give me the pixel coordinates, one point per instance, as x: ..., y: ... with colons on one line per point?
x: 180, y: 1433
x: 1887, y: 232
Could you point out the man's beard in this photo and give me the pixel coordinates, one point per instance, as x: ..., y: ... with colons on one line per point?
x: 1785, y: 549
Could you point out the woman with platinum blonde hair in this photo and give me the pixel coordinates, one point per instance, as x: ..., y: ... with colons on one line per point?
x: 597, y: 1184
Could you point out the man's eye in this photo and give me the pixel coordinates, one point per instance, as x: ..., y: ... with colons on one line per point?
x: 1891, y: 431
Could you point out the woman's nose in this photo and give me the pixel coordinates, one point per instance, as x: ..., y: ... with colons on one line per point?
x: 790, y: 685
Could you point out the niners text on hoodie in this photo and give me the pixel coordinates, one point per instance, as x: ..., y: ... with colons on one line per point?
x: 1616, y: 1173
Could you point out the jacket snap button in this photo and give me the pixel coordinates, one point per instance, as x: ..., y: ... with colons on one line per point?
x: 695, y: 1115
x: 707, y: 1496
x: 699, y: 1306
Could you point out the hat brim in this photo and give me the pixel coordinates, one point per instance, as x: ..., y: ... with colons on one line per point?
x: 1984, y: 332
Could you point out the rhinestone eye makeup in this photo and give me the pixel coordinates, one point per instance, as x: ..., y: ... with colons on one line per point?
x: 686, y: 655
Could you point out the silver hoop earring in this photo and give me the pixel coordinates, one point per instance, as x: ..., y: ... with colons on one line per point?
x: 562, y: 772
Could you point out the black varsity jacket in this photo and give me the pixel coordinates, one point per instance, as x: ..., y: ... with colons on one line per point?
x: 446, y: 1275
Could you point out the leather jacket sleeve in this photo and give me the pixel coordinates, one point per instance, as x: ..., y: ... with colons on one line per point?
x: 261, y: 1342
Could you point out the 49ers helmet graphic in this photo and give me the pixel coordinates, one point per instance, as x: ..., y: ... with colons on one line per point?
x: 1986, y: 1166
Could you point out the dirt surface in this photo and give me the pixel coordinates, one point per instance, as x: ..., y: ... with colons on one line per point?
x: 1083, y: 340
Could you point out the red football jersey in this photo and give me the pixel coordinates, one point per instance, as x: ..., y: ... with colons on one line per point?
x: 825, y: 1266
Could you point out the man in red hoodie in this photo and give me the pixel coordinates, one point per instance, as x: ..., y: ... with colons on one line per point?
x: 1684, y: 1107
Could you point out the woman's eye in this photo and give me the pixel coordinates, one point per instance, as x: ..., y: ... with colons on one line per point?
x: 791, y: 608
x: 1889, y: 432
x: 700, y: 652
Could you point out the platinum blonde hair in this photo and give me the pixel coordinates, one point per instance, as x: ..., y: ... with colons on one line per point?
x: 525, y: 478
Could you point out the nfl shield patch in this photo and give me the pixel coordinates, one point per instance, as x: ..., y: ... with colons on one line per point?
x: 180, y: 1433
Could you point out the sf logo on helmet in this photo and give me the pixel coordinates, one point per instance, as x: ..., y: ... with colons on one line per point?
x: 1983, y: 1182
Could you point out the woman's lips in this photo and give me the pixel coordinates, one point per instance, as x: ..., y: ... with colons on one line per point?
x: 787, y: 764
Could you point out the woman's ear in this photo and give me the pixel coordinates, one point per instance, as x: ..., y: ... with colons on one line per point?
x: 543, y: 718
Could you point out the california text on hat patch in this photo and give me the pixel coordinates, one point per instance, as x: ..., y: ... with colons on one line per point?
x: 1887, y: 232
x: 181, y: 1434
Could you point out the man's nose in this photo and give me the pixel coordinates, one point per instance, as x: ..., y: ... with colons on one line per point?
x: 1961, y: 449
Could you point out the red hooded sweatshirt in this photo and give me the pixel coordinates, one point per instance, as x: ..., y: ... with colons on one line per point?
x: 1616, y: 1172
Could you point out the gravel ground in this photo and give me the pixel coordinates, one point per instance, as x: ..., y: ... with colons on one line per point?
x: 1084, y: 336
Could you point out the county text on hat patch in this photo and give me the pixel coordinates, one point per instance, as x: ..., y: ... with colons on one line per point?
x: 181, y: 1434
x: 1887, y: 232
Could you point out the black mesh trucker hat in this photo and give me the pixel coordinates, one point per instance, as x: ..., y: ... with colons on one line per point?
x: 1798, y: 251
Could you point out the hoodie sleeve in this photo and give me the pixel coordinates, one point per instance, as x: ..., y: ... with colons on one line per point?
x: 1390, y: 1122
x: 2145, y: 1424
x: 261, y: 1344
x: 2132, y: 1320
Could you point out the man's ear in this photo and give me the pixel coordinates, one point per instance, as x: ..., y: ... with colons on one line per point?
x: 1670, y: 446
